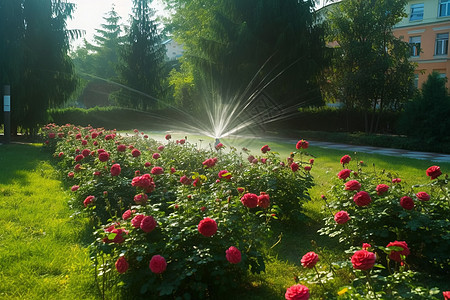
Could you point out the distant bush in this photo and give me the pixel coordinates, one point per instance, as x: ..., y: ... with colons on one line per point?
x: 426, y: 116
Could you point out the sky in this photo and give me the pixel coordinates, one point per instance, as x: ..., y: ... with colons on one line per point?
x: 88, y: 15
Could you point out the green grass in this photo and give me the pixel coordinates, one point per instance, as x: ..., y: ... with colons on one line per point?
x: 42, y: 257
x: 40, y: 250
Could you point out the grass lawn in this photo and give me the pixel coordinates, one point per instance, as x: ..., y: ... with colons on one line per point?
x: 40, y: 249
x: 43, y: 258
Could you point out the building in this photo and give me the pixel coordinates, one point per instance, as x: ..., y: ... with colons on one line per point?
x: 427, y: 28
x: 173, y: 49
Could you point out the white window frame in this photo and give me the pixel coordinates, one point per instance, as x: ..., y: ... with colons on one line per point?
x: 417, y: 11
x: 441, y: 45
x: 415, y: 43
x: 444, y: 8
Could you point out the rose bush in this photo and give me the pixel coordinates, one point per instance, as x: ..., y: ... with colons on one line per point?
x: 167, y: 222
x: 387, y: 208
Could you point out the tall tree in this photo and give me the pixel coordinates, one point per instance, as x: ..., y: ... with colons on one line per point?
x: 229, y: 41
x: 44, y: 77
x: 142, y: 67
x: 371, y: 69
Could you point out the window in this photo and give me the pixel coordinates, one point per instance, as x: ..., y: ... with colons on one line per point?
x: 414, y: 42
x: 416, y: 12
x: 441, y: 44
x: 444, y: 8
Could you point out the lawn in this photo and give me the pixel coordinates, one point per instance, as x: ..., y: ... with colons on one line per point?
x: 39, y: 235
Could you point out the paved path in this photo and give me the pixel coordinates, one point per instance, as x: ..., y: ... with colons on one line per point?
x: 437, y: 157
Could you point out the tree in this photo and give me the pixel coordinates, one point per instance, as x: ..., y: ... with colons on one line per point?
x: 232, y: 42
x: 142, y: 61
x: 370, y: 69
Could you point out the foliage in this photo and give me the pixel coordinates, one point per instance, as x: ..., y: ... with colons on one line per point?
x: 193, y: 184
x: 371, y: 70
x: 423, y: 224
x: 34, y: 58
x: 425, y: 116
x: 274, y: 45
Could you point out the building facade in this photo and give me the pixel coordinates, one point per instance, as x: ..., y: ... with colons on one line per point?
x: 173, y: 49
x: 426, y: 28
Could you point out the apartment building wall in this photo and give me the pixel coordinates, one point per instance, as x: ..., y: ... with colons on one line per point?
x: 427, y: 29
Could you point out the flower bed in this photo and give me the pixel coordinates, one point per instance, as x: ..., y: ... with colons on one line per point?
x: 171, y: 219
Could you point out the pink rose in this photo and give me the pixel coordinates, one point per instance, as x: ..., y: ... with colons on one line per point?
x: 70, y: 174
x: 209, y: 163
x: 397, y: 255
x: 366, y: 246
x: 407, y: 202
x: 302, y: 144
x: 168, y: 137
x: 294, y: 167
x: 396, y: 180
x: 140, y: 199
x: 362, y: 198
x: 75, y: 187
x: 250, y: 200
x: 148, y: 223
x: 136, y: 221
x: 363, y: 260
x: 423, y: 196
x: 224, y: 174
x: 297, y: 292
x: 381, y: 189
x: 158, y: 264
x: 345, y: 159
x: 219, y: 146
x: 446, y: 295
x: 161, y: 147
x: 233, y: 255
x: 185, y: 180
x: 121, y: 265
x: 434, y: 172
x: 341, y: 217
x: 344, y: 174
x: 352, y: 185
x: 309, y: 260
x: 143, y: 181
x: 88, y: 200
x: 127, y: 214
x: 207, y: 227
x: 115, y: 170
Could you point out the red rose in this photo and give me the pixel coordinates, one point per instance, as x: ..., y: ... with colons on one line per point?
x: 341, y: 217
x: 344, y: 174
x: 135, y: 152
x: 161, y: 147
x: 86, y: 152
x: 121, y: 148
x: 381, y: 189
x: 51, y: 135
x: 265, y: 149
x: 307, y: 168
x: 250, y: 200
x: 119, y: 238
x: 147, y: 164
x: 423, y: 196
x: 302, y: 144
x: 103, y: 156
x: 182, y: 141
x: 209, y: 163
x: 140, y: 199
x: 115, y: 170
x: 240, y: 190
x: 297, y: 292
x: 185, y: 180
x: 311, y: 161
x: 70, y: 174
x: 77, y: 168
x: 294, y: 167
x: 121, y: 265
x: 75, y: 187
x: 84, y: 142
x: 309, y: 260
x: 78, y: 136
x: 157, y: 171
x: 366, y: 246
x: 219, y: 146
x: 397, y: 255
x: 143, y: 181
x: 250, y: 158
x: 434, y: 172
x: 168, y: 137
x: 148, y: 223
x: 396, y: 180
x: 363, y: 260
x: 158, y: 264
x: 207, y: 227
x: 446, y: 295
x: 172, y: 170
x: 352, y: 185
x: 362, y: 198
x: 137, y: 220
x: 94, y: 135
x: 79, y: 157
x: 345, y: 159
x: 88, y: 200
x: 156, y: 155
x: 407, y: 202
x: 233, y: 255
x: 263, y: 200
x: 224, y: 174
